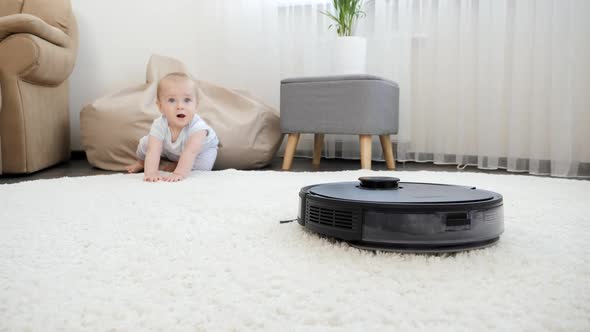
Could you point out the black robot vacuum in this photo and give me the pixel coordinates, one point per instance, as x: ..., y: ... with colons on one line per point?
x: 382, y: 213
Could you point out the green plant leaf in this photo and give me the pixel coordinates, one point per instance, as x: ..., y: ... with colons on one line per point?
x: 346, y: 13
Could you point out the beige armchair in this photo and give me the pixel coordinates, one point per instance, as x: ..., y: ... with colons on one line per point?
x: 38, y: 48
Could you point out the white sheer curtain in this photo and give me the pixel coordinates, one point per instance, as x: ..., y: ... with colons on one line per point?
x: 237, y: 45
x: 489, y: 83
x: 494, y: 84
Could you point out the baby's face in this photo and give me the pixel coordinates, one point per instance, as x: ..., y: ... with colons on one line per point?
x: 178, y: 102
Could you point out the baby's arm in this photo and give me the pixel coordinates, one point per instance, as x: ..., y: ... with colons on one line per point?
x: 188, y: 155
x: 152, y: 160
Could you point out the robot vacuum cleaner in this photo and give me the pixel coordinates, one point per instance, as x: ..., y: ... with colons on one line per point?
x: 382, y: 213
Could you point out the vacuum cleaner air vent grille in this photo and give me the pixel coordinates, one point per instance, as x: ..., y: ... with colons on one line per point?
x: 337, y: 218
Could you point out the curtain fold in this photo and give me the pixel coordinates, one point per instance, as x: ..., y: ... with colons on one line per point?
x: 236, y: 45
x: 493, y: 84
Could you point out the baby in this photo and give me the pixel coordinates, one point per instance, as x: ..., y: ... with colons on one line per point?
x: 179, y: 135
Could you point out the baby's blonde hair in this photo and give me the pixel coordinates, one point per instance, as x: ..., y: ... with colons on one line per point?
x: 175, y: 76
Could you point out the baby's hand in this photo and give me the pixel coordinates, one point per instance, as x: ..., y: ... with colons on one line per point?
x: 152, y: 177
x: 174, y: 177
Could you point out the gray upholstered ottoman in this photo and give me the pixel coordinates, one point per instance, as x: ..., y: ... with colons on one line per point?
x: 361, y: 105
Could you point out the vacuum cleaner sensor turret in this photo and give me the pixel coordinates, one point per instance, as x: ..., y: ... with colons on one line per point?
x: 382, y: 213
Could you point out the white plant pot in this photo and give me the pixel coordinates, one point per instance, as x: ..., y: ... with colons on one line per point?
x: 349, y: 55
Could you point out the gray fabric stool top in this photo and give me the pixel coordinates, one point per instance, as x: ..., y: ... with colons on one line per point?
x: 361, y: 105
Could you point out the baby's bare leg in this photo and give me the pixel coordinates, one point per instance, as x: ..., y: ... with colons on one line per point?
x: 135, y: 167
x: 168, y: 166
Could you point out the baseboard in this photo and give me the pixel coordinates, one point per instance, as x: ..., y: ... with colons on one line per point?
x: 78, y: 155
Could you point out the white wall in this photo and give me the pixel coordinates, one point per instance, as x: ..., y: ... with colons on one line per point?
x: 228, y: 42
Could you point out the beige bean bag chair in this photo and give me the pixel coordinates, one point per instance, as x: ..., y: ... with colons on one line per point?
x: 248, y: 130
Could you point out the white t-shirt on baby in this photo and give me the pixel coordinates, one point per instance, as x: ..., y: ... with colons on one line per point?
x: 173, y: 150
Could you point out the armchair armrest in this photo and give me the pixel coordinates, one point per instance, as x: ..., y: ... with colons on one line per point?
x: 26, y: 23
x: 34, y: 58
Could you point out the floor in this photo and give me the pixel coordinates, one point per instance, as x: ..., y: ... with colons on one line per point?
x: 79, y: 166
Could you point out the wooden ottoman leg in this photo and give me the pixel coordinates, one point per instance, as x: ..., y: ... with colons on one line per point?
x: 318, y: 143
x: 387, y: 151
x: 290, y: 150
x: 365, y: 143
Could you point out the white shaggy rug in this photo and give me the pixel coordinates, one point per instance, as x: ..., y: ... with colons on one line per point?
x: 112, y: 253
